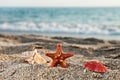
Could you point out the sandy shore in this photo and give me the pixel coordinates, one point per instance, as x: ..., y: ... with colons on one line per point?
x: 13, y: 67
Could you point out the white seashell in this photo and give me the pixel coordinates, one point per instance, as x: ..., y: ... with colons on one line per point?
x: 33, y: 57
x: 27, y: 54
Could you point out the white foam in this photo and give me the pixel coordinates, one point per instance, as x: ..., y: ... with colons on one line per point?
x: 62, y: 28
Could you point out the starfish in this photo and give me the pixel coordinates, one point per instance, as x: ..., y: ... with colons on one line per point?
x: 58, y: 57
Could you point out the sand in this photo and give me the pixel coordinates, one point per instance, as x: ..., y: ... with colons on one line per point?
x: 13, y: 67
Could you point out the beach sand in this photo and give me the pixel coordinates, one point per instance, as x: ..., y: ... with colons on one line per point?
x: 13, y: 67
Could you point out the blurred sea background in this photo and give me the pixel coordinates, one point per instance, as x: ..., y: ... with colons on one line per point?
x: 74, y: 22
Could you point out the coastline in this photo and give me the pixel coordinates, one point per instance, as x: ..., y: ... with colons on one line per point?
x: 103, y: 37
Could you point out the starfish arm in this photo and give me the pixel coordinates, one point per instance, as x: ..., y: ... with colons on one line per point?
x: 63, y: 64
x: 54, y: 63
x: 59, y: 47
x: 50, y: 55
x: 67, y: 55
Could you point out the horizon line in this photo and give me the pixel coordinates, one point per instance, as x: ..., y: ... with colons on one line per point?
x: 59, y: 6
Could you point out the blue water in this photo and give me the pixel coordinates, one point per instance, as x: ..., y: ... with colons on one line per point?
x: 75, y: 21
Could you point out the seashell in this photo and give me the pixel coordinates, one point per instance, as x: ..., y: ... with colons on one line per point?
x: 95, y: 66
x: 27, y: 54
x: 38, y: 59
x: 33, y: 57
x: 1, y: 78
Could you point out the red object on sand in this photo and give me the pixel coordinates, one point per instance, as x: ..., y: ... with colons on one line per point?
x: 58, y: 57
x: 95, y: 66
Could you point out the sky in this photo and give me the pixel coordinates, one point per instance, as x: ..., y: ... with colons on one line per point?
x: 59, y: 3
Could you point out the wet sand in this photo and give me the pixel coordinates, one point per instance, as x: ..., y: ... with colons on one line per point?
x: 13, y: 67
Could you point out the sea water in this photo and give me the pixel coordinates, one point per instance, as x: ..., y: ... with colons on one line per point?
x: 64, y: 21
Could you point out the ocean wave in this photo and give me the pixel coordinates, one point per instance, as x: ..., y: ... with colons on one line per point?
x: 53, y: 27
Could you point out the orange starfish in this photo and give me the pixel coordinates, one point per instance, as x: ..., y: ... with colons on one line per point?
x: 58, y: 57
